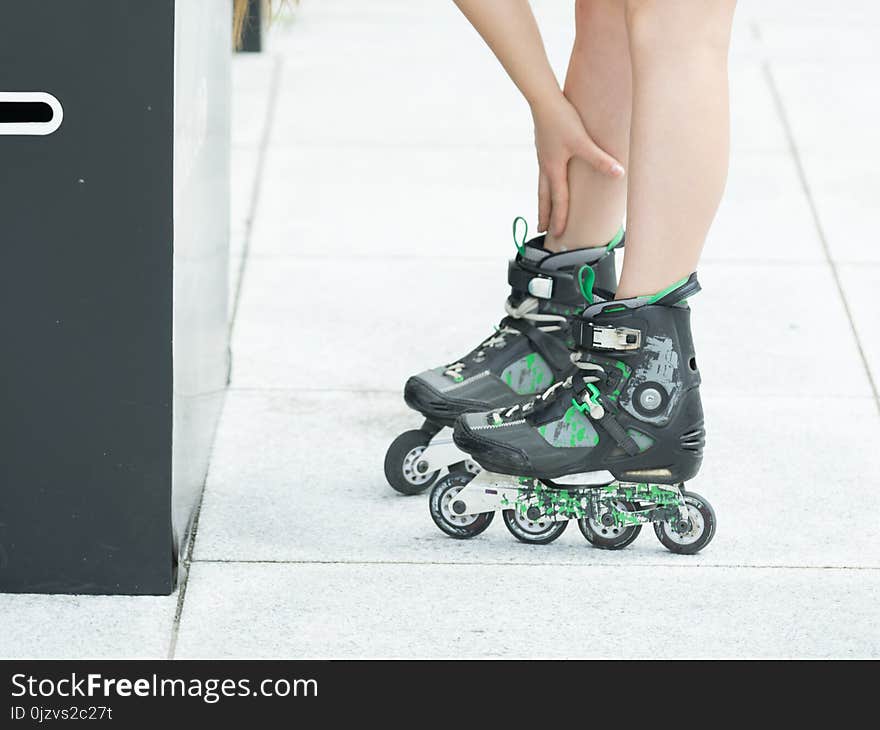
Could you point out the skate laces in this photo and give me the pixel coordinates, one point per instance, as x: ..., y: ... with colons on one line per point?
x: 548, y: 395
x: 524, y: 310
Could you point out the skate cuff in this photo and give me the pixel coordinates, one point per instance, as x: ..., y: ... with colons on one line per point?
x: 605, y: 338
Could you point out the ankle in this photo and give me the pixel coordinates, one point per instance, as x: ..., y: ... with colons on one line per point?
x: 576, y: 241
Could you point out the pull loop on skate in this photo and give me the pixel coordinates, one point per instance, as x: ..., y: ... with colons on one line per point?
x: 520, y: 244
x: 586, y: 279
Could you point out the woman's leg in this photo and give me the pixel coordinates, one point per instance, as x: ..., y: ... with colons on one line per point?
x: 598, y: 84
x: 678, y: 156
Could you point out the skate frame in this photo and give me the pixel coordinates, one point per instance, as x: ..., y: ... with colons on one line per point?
x: 441, y: 453
x: 597, y: 494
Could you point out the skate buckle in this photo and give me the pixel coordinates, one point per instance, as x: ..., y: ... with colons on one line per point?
x: 606, y: 337
x: 541, y: 287
x: 591, y: 405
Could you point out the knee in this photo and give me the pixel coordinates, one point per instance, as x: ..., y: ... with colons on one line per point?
x: 679, y: 27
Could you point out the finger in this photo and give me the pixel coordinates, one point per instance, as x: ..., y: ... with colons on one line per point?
x: 543, y: 202
x: 600, y: 160
x: 559, y: 200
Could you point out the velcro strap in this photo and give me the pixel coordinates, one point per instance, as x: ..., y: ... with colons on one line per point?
x: 551, y: 348
x: 619, y: 434
x: 605, y: 338
x: 556, y: 285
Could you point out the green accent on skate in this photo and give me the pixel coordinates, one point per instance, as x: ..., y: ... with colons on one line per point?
x: 551, y: 307
x: 572, y: 430
x: 616, y: 240
x: 552, y: 502
x: 643, y: 441
x: 663, y: 292
x: 528, y: 375
x: 592, y: 399
x: 651, y: 502
x: 520, y: 245
x: 627, y: 371
x: 586, y: 279
x: 618, y: 308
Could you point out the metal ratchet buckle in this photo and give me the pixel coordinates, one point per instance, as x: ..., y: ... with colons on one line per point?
x: 616, y: 338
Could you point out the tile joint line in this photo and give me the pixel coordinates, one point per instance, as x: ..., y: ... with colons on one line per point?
x: 265, y: 136
x: 186, y: 562
x: 814, y: 211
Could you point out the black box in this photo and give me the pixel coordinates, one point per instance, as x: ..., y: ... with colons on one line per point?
x: 112, y: 286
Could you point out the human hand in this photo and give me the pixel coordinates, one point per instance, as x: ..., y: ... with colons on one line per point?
x: 559, y: 136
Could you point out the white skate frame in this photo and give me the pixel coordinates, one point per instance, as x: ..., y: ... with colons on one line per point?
x: 441, y: 452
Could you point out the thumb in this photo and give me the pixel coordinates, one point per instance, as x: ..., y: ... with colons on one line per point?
x: 599, y: 159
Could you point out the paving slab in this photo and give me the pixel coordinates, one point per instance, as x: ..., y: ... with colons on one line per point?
x: 845, y: 198
x: 452, y: 611
x: 819, y: 103
x: 400, y: 202
x: 861, y: 284
x: 86, y: 627
x: 298, y: 476
x: 370, y: 324
x: 251, y: 86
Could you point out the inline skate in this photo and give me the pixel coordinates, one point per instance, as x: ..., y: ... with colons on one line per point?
x: 610, y: 446
x: 527, y: 353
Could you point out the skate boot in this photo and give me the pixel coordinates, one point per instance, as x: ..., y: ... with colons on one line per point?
x: 527, y: 353
x: 610, y: 446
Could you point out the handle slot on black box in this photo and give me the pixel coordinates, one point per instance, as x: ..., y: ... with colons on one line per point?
x: 29, y: 113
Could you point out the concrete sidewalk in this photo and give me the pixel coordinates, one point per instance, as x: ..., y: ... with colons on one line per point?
x: 380, y: 154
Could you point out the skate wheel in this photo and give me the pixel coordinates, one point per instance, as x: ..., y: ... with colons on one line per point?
x: 609, y: 538
x: 402, y: 463
x: 533, y: 532
x: 443, y: 495
x: 701, y: 519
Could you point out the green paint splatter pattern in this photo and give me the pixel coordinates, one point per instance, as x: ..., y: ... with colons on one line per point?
x: 655, y: 502
x: 572, y: 430
x: 528, y: 375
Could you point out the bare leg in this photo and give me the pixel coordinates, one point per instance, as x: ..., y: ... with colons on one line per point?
x: 679, y: 138
x: 598, y: 84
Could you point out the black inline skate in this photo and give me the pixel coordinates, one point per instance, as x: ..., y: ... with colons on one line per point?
x: 610, y: 446
x: 527, y: 353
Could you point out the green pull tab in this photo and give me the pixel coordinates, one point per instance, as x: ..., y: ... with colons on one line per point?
x: 520, y: 245
x: 586, y: 279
